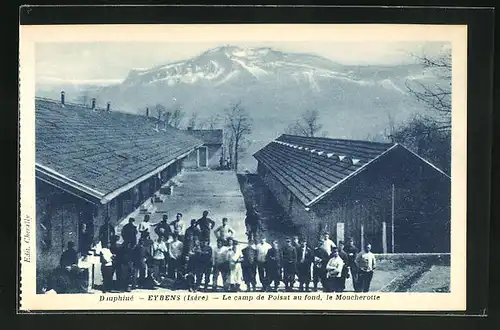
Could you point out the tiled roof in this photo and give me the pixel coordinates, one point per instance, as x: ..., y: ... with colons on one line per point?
x: 209, y: 136
x: 311, y: 166
x: 103, y: 150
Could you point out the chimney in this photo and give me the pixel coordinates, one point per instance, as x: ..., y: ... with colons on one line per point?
x: 93, y: 103
x: 190, y: 128
x: 147, y: 112
x: 108, y: 106
x: 62, y: 97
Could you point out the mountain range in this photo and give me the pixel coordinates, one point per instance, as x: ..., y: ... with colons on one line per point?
x: 273, y: 86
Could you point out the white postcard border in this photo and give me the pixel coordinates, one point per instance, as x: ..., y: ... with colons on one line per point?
x: 456, y: 34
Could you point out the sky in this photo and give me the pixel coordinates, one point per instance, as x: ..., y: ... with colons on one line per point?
x: 110, y: 62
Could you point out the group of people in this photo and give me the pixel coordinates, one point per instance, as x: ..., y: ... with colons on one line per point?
x: 182, y: 257
x: 186, y: 260
x: 297, y: 262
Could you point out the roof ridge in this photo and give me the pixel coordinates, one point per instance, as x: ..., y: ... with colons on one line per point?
x: 335, y: 139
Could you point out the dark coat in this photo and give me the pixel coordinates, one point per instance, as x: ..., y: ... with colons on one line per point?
x: 166, y: 228
x: 249, y: 257
x: 308, y: 257
x: 68, y: 258
x: 204, y: 257
x: 274, y: 259
x: 289, y: 255
x: 129, y: 233
x: 351, y: 252
x: 319, y: 252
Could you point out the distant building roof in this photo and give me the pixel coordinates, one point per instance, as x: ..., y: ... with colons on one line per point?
x: 209, y: 136
x: 97, y: 151
x: 310, y: 167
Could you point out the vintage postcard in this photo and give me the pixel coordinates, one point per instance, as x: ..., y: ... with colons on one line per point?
x: 243, y: 167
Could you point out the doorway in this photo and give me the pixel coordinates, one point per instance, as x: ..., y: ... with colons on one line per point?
x: 202, y: 157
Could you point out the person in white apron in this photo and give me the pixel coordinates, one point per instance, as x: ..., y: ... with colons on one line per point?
x: 235, y: 270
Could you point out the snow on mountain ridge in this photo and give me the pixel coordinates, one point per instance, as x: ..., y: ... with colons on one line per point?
x: 221, y: 61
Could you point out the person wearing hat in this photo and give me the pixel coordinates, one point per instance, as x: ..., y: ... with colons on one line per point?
x: 289, y: 264
x: 351, y: 250
x: 345, y: 270
x: 249, y: 265
x: 129, y: 232
x: 320, y: 259
x: 192, y: 233
x: 304, y: 261
x: 204, y: 265
x: 274, y: 266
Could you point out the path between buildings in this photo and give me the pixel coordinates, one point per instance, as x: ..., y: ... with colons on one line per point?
x: 215, y: 191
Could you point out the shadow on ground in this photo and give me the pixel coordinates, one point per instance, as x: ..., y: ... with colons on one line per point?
x: 275, y: 222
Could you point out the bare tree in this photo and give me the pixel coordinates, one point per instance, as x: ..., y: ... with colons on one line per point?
x: 307, y: 125
x: 391, y: 126
x: 173, y: 119
x: 211, y: 122
x: 176, y: 117
x: 435, y: 96
x: 239, y: 125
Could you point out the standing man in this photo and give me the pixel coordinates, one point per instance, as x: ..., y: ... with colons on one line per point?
x: 365, y: 261
x: 192, y: 233
x: 140, y: 257
x: 249, y: 265
x: 328, y: 244
x: 274, y: 264
x: 106, y: 231
x: 334, y: 272
x: 235, y: 272
x: 221, y: 265
x: 162, y: 228
x: 129, y: 233
x: 177, y: 227
x: 106, y: 267
x: 289, y: 264
x: 321, y: 258
x: 262, y: 248
x: 206, y: 225
x: 345, y: 270
x: 175, y: 249
x: 86, y: 238
x: 252, y: 223
x: 352, y: 251
x: 304, y: 261
x: 127, y: 267
x: 145, y: 226
x: 204, y: 265
x: 224, y: 232
x: 191, y: 264
x: 159, y: 252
